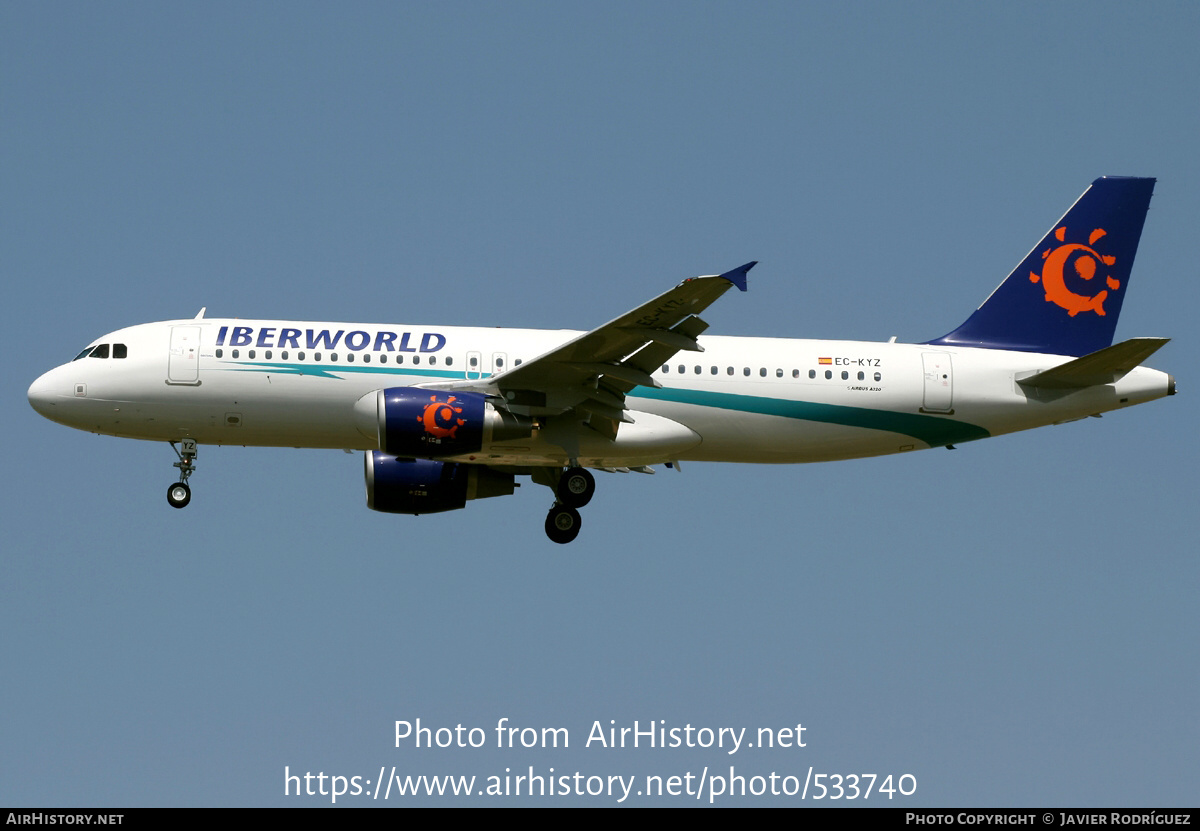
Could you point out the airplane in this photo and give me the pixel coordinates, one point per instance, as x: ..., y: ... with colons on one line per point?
x: 446, y: 415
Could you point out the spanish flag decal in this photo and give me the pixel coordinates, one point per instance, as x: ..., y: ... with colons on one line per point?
x: 824, y: 361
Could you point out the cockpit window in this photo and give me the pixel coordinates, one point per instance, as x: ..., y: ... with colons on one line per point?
x: 100, y: 351
x: 83, y: 354
x: 119, y: 350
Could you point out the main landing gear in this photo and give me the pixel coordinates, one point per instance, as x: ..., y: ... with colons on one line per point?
x: 575, y: 488
x: 179, y: 494
x: 562, y: 524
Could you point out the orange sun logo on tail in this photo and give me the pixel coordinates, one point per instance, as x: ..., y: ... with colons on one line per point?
x: 1083, y: 259
x: 440, y: 418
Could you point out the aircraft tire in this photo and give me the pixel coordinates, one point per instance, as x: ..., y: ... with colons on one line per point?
x: 562, y: 524
x: 179, y: 495
x: 576, y: 487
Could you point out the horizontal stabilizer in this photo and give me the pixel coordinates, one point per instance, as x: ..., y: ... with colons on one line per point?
x: 1103, y: 367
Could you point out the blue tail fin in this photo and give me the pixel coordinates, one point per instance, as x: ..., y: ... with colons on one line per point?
x: 1065, y: 296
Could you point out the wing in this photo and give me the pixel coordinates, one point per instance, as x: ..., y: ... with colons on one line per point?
x: 592, y: 373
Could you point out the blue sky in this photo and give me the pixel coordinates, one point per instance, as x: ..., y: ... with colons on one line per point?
x: 1013, y: 624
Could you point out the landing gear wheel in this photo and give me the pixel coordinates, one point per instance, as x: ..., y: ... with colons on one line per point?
x: 179, y: 495
x: 576, y: 487
x: 562, y: 524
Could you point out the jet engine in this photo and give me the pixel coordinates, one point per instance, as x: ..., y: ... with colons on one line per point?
x: 421, y: 486
x: 414, y: 422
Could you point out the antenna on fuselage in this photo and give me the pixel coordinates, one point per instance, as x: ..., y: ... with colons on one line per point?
x: 200, y: 314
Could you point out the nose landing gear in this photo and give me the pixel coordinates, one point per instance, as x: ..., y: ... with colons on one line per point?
x: 179, y: 494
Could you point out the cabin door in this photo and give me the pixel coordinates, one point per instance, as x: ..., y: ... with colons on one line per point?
x: 939, y: 382
x: 183, y: 362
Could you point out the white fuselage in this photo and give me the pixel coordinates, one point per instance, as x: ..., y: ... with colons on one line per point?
x: 290, y: 384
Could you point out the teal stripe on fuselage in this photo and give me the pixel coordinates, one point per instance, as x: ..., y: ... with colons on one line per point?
x: 933, y: 430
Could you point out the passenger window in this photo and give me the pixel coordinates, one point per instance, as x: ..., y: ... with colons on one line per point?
x: 220, y: 353
x: 517, y: 362
x: 666, y: 368
x: 697, y: 369
x: 474, y: 362
x: 333, y: 357
x: 399, y: 358
x: 812, y: 373
x: 100, y: 351
x: 828, y: 374
x: 367, y: 358
x: 779, y: 373
x: 862, y: 375
x: 878, y: 377
x: 682, y: 369
x: 746, y: 371
x: 251, y: 354
x: 845, y: 375
x: 729, y: 370
x: 762, y: 372
x: 450, y: 361
x: 299, y: 355
x: 350, y: 357
x: 119, y: 350
x: 433, y: 360
x: 714, y: 370
x: 416, y: 359
x: 283, y: 354
x: 383, y: 359
x: 235, y: 353
x: 316, y: 356
x: 267, y: 354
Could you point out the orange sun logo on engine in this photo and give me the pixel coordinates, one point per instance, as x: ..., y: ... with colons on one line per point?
x: 1083, y: 260
x: 440, y: 418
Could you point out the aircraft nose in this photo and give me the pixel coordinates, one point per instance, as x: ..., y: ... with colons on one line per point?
x: 44, y: 394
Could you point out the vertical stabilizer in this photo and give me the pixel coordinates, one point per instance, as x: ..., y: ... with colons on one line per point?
x: 1065, y: 296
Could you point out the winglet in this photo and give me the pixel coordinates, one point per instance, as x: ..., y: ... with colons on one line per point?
x: 738, y: 275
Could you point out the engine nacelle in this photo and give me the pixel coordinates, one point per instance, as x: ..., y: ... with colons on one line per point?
x: 413, y: 422
x: 421, y: 486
